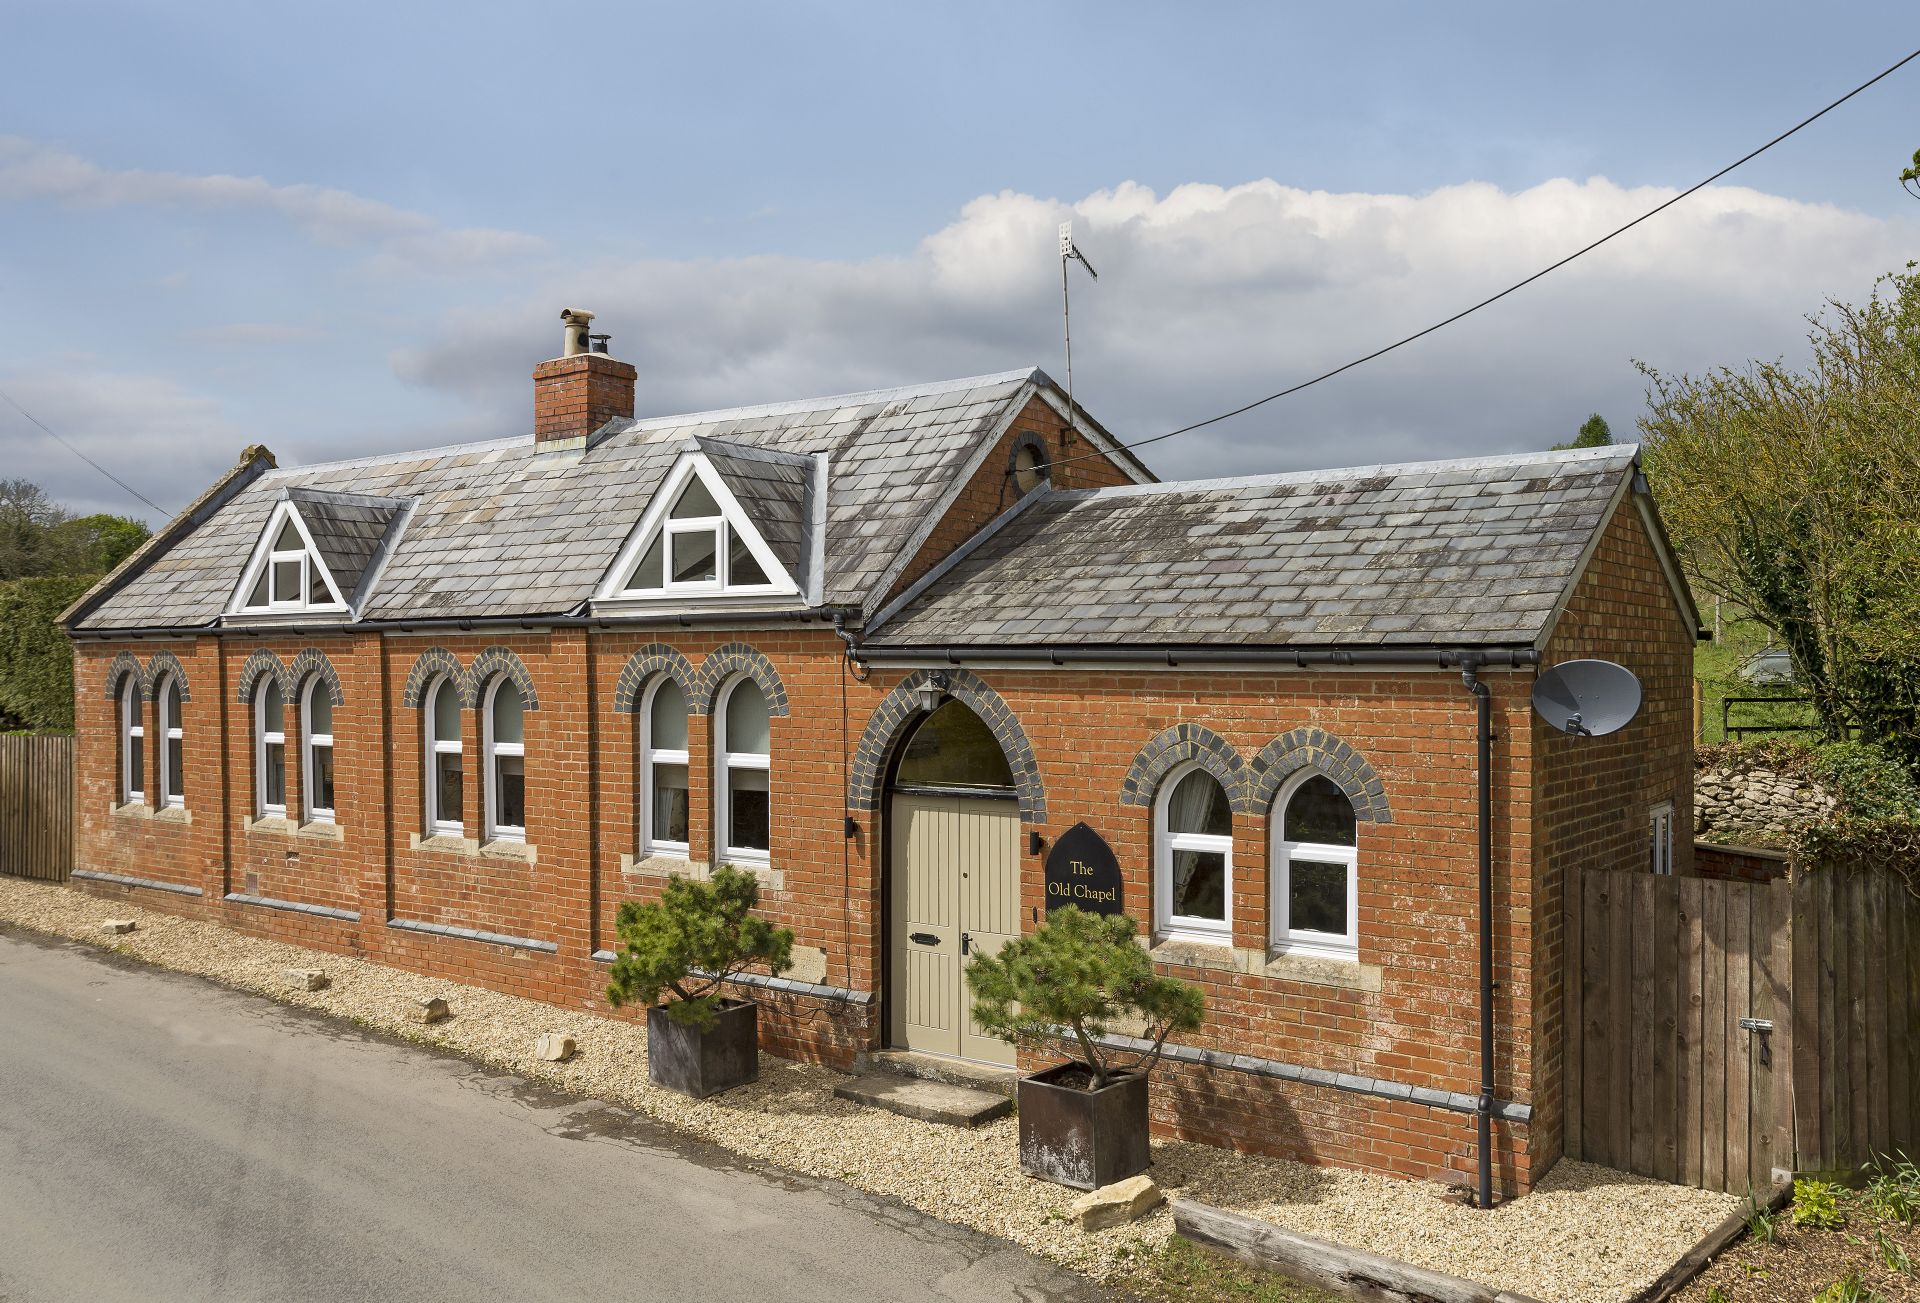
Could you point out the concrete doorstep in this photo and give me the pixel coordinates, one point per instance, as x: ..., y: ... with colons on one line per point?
x: 928, y: 1101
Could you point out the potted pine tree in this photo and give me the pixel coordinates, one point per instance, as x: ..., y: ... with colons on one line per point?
x: 1083, y: 1123
x: 688, y: 944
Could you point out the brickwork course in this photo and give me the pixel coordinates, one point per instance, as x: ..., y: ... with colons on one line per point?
x: 1371, y: 1062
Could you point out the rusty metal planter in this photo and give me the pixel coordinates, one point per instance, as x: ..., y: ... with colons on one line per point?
x: 705, y: 1062
x: 1083, y: 1138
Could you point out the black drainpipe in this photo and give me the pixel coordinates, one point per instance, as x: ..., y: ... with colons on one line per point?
x: 1483, y: 1112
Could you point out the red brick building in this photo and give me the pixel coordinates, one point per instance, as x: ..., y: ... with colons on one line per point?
x: 448, y: 709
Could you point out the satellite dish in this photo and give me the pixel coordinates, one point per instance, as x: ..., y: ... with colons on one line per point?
x: 1587, y: 698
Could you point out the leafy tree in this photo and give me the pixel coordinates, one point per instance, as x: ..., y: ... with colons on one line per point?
x: 1070, y: 979
x: 1793, y: 494
x: 26, y: 514
x: 93, y: 544
x: 1910, y: 177
x: 1594, y: 433
x: 691, y: 940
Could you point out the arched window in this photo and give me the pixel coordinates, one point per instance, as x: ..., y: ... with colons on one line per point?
x: 445, y: 792
x: 269, y: 749
x: 133, y: 744
x: 1315, y: 870
x: 1193, y: 859
x: 506, y: 761
x: 172, y: 761
x: 743, y: 809
x: 953, y: 749
x: 663, y: 769
x: 316, y: 736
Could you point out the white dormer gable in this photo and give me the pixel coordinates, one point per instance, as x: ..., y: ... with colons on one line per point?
x: 285, y: 575
x: 695, y: 544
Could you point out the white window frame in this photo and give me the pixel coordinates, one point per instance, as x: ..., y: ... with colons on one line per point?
x: 1660, y: 838
x: 649, y: 757
x: 1184, y: 927
x: 169, y: 738
x: 436, y: 745
x: 728, y: 761
x: 133, y: 782
x: 1302, y: 941
x: 658, y: 523
x: 489, y: 752
x: 263, y: 559
x: 264, y: 737
x: 311, y: 742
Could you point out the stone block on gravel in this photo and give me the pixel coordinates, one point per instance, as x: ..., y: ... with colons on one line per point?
x: 117, y: 927
x: 308, y: 979
x: 925, y: 1101
x: 431, y: 1010
x: 1117, y: 1204
x: 554, y: 1047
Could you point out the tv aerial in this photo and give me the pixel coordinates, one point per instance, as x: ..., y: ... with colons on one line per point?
x: 1587, y: 698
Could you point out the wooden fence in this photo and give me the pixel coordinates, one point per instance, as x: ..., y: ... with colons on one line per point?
x: 1723, y: 1032
x: 36, y: 806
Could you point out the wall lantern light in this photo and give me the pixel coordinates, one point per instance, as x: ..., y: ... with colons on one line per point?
x: 932, y: 690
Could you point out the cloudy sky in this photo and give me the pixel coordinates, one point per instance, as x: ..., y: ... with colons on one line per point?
x: 338, y: 229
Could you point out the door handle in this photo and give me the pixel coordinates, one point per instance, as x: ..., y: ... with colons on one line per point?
x: 966, y: 942
x: 923, y: 938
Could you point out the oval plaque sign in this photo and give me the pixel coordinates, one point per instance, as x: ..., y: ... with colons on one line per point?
x: 1081, y: 870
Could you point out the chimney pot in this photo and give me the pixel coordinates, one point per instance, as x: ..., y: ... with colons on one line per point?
x: 582, y: 389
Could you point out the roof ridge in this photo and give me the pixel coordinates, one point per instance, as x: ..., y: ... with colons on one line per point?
x: 793, y: 405
x: 1573, y: 455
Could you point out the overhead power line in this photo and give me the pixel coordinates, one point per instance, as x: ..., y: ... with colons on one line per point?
x: 164, y: 513
x: 1517, y: 285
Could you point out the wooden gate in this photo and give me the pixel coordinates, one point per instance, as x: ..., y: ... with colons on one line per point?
x: 36, y: 806
x: 1681, y: 1049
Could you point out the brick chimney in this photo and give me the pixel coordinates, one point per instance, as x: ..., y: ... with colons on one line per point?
x: 582, y: 389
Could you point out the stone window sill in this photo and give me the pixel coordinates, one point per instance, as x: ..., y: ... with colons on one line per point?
x: 664, y: 866
x: 503, y: 848
x: 277, y: 824
x: 444, y: 842
x: 1183, y: 952
x: 326, y: 828
x: 1323, y: 970
x: 132, y: 810
x: 174, y: 814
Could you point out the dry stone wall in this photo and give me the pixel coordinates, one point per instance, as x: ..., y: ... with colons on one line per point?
x: 1756, y: 806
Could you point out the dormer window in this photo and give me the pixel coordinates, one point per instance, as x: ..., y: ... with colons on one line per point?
x: 286, y: 575
x: 696, y: 542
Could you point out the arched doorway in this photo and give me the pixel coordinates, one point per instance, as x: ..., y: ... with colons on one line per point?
x: 953, y: 870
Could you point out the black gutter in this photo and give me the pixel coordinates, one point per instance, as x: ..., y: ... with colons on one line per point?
x: 1483, y: 1111
x: 1444, y: 657
x: 470, y: 623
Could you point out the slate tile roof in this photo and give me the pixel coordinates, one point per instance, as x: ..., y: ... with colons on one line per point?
x: 776, y: 490
x: 1474, y: 552
x: 509, y: 528
x: 347, y: 530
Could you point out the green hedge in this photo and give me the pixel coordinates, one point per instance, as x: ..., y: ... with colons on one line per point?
x: 36, y: 660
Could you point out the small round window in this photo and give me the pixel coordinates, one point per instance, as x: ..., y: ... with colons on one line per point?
x: 1030, y: 466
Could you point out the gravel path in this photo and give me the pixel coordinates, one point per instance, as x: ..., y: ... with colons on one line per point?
x: 1586, y: 1235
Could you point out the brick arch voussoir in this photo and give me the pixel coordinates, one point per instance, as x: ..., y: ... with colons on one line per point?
x: 1183, y: 744
x: 312, y: 661
x: 724, y: 663
x: 261, y: 662
x: 428, y: 666
x: 489, y: 665
x: 649, y: 663
x: 1323, y: 753
x: 163, y: 665
x: 898, y: 709
x: 124, y: 664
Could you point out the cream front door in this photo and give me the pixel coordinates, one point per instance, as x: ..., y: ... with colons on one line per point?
x: 956, y: 891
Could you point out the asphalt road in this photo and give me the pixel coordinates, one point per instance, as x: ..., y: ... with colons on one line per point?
x: 165, y: 1138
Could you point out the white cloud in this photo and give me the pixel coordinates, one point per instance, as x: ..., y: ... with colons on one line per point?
x: 30, y: 171
x: 1209, y: 296
x: 259, y: 334
x: 166, y: 440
